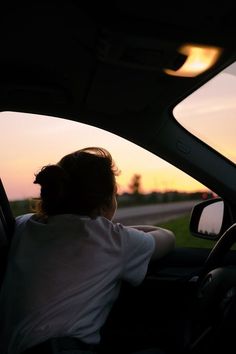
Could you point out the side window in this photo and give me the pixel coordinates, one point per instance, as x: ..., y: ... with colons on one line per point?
x: 163, y: 194
x: 209, y: 112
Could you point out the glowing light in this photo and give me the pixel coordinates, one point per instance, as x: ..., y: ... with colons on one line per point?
x: 199, y: 59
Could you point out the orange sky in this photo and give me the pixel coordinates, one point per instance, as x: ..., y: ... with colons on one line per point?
x: 29, y: 142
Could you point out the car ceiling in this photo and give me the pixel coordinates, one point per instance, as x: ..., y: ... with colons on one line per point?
x: 101, y: 62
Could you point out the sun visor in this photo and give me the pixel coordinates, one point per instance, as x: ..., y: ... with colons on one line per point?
x: 130, y: 71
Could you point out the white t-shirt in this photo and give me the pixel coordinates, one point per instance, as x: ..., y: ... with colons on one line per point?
x: 64, y: 275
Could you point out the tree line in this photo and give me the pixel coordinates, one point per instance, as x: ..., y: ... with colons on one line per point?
x: 136, y: 197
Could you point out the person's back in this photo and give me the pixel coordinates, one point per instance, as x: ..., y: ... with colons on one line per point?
x: 67, y: 260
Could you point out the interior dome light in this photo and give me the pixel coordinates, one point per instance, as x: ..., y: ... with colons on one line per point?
x: 198, y: 59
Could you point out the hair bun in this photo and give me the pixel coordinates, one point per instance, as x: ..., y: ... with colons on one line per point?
x: 50, y: 175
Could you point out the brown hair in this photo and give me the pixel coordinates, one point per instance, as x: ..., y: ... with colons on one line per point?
x: 79, y: 183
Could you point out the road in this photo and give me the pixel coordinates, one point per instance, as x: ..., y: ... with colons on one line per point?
x: 153, y: 213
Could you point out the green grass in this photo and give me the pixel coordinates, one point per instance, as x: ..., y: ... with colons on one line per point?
x: 184, y: 238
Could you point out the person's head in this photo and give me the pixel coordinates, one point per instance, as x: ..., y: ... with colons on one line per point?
x: 82, y: 182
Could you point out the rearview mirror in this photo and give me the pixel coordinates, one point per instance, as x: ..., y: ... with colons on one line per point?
x: 210, y: 219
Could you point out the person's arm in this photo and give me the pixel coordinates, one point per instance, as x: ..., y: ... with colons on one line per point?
x: 164, y: 239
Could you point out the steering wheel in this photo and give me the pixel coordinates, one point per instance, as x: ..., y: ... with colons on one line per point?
x: 216, y: 294
x: 223, y: 245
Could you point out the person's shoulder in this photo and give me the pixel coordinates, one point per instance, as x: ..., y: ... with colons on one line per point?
x: 128, y: 232
x: 137, y: 237
x: 109, y: 224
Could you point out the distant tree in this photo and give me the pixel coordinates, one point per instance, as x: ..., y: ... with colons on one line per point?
x: 135, y: 184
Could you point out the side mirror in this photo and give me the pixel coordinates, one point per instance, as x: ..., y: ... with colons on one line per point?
x: 210, y: 219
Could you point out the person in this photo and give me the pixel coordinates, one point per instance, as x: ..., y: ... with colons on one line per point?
x: 68, y: 259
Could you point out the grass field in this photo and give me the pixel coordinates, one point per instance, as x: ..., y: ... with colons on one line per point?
x: 184, y: 238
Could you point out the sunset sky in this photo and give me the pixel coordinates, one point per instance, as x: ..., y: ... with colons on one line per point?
x: 47, y: 139
x: 29, y: 142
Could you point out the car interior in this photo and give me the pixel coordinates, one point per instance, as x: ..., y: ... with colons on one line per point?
x: 118, y: 66
x: 7, y: 222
